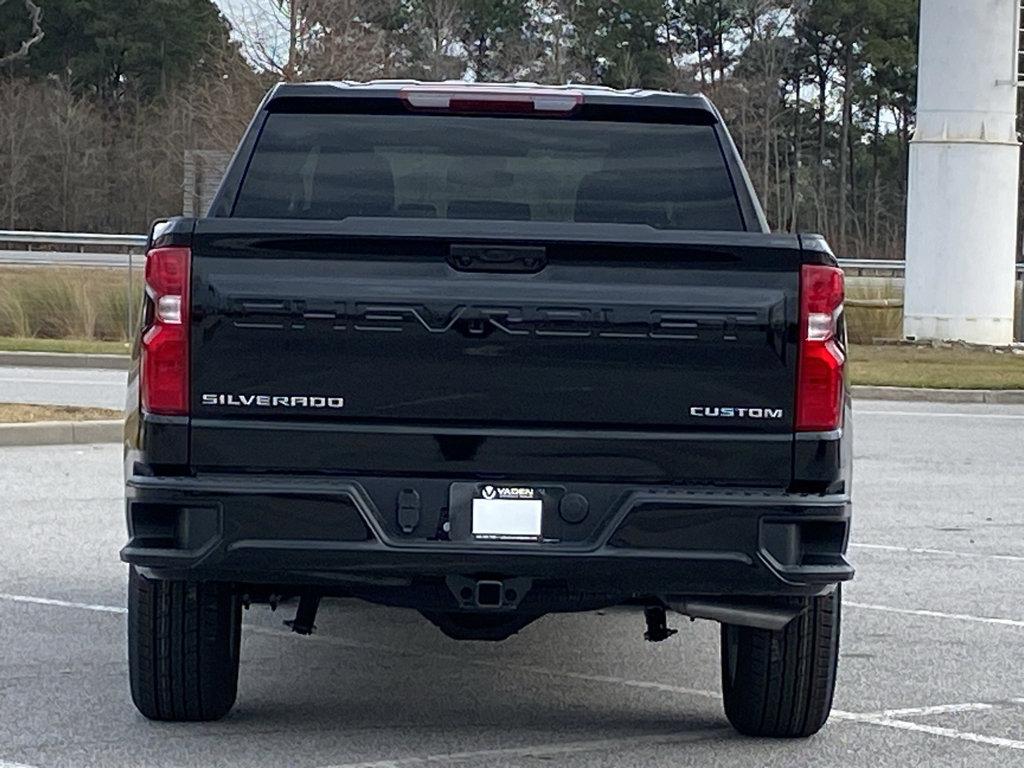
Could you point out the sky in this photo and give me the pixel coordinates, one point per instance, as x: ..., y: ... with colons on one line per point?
x: 235, y: 10
x: 257, y: 19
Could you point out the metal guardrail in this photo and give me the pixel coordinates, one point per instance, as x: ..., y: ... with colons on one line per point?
x: 77, y: 239
x: 872, y: 264
x: 83, y: 240
x: 135, y: 243
x: 69, y: 249
x: 80, y: 240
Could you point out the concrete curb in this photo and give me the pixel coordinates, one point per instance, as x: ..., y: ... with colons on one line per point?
x: 64, y: 360
x: 57, y: 433
x: 926, y: 395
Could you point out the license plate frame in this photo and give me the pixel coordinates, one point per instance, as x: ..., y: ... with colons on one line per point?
x: 507, y: 519
x: 475, y: 512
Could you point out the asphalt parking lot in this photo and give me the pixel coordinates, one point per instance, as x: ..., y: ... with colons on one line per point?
x: 930, y: 673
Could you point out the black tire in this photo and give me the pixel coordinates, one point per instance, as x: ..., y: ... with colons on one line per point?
x: 779, y: 683
x: 183, y: 642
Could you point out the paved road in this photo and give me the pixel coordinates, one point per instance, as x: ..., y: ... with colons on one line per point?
x: 930, y: 671
x: 63, y: 387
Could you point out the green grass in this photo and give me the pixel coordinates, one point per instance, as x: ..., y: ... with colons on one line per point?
x: 30, y: 344
x: 958, y: 368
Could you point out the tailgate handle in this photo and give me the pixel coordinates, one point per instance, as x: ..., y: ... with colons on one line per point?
x: 476, y: 258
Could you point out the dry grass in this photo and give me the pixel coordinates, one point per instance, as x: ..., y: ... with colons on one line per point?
x: 959, y: 368
x: 84, y: 310
x: 82, y: 305
x: 867, y: 324
x: 64, y: 303
x: 22, y: 412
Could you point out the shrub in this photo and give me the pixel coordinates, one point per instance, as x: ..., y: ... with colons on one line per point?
x: 65, y: 303
x: 81, y: 303
x: 866, y: 324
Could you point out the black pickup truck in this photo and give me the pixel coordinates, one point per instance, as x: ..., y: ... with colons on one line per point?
x: 489, y: 352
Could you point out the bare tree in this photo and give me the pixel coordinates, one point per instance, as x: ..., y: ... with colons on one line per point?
x: 35, y: 15
x: 437, y: 26
x: 344, y: 42
x: 72, y: 166
x: 820, y: 100
x: 316, y: 39
x: 15, y: 150
x: 272, y: 34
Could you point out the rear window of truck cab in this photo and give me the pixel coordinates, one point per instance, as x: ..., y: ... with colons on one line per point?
x: 334, y: 166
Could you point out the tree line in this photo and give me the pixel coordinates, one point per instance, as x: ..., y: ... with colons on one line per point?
x: 100, y: 100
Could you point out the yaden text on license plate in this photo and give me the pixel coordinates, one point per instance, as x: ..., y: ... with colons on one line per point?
x: 507, y: 513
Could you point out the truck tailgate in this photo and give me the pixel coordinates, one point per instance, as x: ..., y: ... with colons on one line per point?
x: 472, y: 348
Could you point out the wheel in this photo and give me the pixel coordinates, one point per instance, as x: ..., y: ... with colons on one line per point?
x: 183, y: 641
x: 779, y: 683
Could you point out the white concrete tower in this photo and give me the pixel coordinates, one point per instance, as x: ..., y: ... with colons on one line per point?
x: 964, y: 160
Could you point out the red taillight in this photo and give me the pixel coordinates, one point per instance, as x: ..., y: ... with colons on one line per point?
x: 819, y: 398
x: 164, y: 374
x: 475, y: 99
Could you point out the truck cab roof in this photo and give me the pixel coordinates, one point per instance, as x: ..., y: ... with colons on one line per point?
x: 588, y: 94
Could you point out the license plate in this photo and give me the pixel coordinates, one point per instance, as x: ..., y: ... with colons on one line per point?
x: 498, y: 518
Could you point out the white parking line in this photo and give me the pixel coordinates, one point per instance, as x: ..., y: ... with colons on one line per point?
x: 936, y: 614
x: 935, y: 551
x: 842, y: 715
x: 933, y: 710
x: 64, y: 604
x: 943, y: 414
x: 332, y: 640
x: 938, y: 731
x: 553, y: 749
